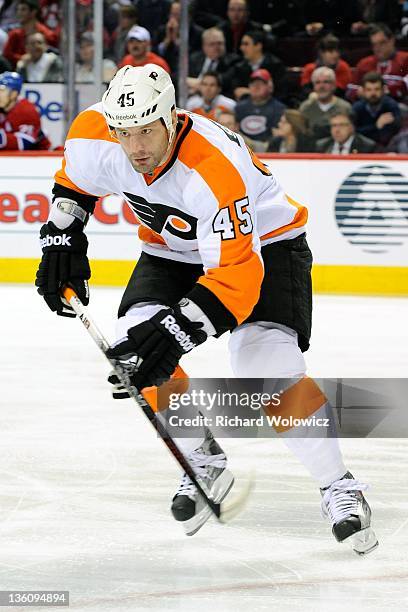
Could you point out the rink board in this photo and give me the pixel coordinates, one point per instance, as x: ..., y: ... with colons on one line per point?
x: 357, y: 228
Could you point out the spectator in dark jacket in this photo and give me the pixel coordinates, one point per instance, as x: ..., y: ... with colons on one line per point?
x: 237, y: 24
x: 252, y: 47
x: 343, y: 139
x: 168, y: 37
x: 292, y: 134
x: 127, y: 19
x: 211, y: 57
x: 378, y: 116
x: 259, y: 113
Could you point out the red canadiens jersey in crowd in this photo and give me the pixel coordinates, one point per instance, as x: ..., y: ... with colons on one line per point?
x: 20, y: 128
x: 394, y: 72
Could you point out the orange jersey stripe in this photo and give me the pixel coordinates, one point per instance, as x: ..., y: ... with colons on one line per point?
x: 62, y: 178
x: 237, y: 280
x: 159, y: 397
x: 298, y: 220
x: 90, y: 124
x: 299, y: 401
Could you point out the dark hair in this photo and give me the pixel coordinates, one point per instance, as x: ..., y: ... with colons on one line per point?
x: 297, y: 121
x: 215, y: 74
x: 329, y: 43
x: 372, y: 77
x: 376, y: 28
x: 257, y: 37
x: 345, y: 113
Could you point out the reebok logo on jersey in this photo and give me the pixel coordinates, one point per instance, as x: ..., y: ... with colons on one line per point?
x: 182, y: 338
x: 48, y: 241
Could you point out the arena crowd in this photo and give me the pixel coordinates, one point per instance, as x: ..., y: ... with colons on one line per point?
x: 324, y: 76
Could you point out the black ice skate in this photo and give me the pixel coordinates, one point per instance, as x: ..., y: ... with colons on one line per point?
x: 349, y: 513
x: 209, y: 463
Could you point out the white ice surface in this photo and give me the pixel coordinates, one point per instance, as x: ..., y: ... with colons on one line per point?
x: 85, y: 486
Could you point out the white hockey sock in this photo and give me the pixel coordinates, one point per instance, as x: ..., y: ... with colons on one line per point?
x: 320, y: 456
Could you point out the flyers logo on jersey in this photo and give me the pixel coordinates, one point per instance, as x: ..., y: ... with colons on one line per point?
x: 160, y: 217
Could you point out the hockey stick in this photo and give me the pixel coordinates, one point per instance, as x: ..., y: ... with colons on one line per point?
x: 223, y: 511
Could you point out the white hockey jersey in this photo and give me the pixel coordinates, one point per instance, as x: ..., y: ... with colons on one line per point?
x: 213, y: 202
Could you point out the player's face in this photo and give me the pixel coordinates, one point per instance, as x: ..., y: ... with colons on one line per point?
x: 373, y: 92
x: 248, y: 48
x: 341, y: 128
x: 214, y: 46
x: 209, y: 88
x: 175, y: 10
x: 86, y: 52
x: 36, y: 46
x: 330, y: 57
x: 324, y: 87
x: 383, y: 47
x: 144, y: 146
x: 237, y: 11
x: 284, y: 127
x: 23, y: 13
x: 259, y: 90
x: 137, y: 48
x: 7, y: 97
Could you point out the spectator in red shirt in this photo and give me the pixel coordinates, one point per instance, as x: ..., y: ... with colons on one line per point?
x: 139, y: 50
x: 20, y: 123
x: 51, y: 15
x: 328, y: 55
x: 27, y: 11
x: 386, y: 60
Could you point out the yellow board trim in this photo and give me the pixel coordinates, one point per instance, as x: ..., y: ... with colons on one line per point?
x: 104, y: 272
x: 354, y: 280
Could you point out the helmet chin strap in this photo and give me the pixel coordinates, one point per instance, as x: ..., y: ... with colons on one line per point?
x: 171, y: 138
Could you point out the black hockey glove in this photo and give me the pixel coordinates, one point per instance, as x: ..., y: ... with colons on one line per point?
x: 152, y: 349
x: 64, y: 262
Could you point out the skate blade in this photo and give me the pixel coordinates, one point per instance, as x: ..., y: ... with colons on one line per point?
x: 363, y: 542
x: 220, y: 490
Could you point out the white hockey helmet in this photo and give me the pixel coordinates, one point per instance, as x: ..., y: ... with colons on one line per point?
x: 139, y: 95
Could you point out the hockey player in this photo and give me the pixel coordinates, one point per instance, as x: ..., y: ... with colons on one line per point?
x: 20, y: 123
x: 224, y: 249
